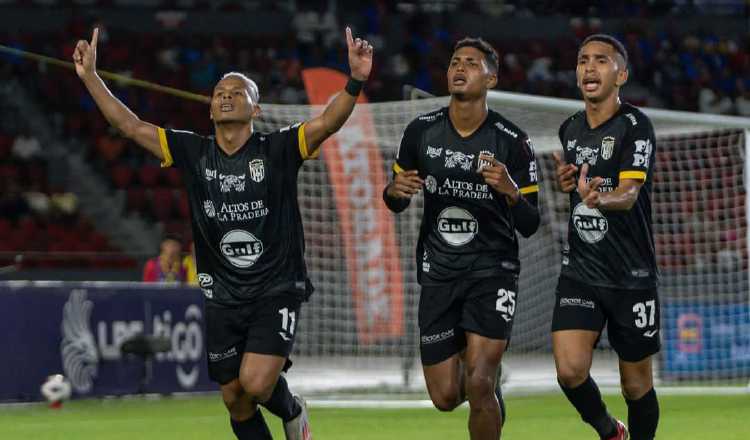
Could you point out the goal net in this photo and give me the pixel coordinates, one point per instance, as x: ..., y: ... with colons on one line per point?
x: 359, y: 331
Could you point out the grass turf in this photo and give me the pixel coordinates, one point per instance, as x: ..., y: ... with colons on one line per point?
x: 535, y: 417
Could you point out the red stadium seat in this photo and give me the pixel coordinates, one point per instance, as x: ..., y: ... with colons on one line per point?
x: 122, y: 176
x: 136, y: 199
x: 149, y: 175
x: 183, y: 205
x: 162, y: 202
x: 173, y: 177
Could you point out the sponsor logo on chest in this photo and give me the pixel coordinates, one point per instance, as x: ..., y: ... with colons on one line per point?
x: 241, y: 248
x: 457, y: 226
x: 231, y: 182
x: 590, y: 224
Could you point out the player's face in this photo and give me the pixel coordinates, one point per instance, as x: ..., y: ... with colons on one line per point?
x: 231, y: 102
x: 468, y: 73
x: 600, y: 71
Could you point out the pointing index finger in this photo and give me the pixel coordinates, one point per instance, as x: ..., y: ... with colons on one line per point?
x: 349, y: 39
x: 95, y: 37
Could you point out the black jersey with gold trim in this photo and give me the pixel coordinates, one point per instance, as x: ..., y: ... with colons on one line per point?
x: 245, y: 217
x: 611, y: 248
x: 468, y: 230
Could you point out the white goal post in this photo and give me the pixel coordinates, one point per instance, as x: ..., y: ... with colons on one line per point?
x: 348, y: 340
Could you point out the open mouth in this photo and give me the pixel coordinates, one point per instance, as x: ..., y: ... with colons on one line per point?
x: 591, y: 84
x: 459, y: 80
x: 227, y: 107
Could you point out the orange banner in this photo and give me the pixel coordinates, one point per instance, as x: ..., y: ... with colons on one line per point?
x: 355, y: 170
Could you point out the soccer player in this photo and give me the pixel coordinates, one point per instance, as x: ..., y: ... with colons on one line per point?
x: 609, y: 274
x: 480, y: 179
x: 242, y: 187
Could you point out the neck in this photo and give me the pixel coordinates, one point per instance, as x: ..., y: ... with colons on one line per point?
x: 467, y: 115
x: 598, y: 113
x: 231, y: 136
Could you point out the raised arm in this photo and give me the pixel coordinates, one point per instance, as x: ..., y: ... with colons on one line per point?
x: 118, y: 115
x: 337, y: 112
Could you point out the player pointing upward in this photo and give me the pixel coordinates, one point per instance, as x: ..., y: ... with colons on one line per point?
x: 249, y: 244
x: 609, y: 273
x: 467, y: 254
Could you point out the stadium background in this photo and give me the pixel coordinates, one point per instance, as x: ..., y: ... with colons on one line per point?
x: 78, y: 203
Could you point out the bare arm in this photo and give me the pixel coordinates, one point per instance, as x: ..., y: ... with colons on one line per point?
x: 116, y: 113
x: 338, y: 111
x: 621, y: 198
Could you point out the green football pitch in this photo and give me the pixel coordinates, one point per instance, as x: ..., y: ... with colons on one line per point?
x: 535, y: 417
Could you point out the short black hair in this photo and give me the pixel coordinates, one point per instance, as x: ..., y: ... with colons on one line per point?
x: 608, y: 39
x: 490, y: 54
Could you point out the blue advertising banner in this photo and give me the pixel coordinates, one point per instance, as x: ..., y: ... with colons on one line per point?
x: 78, y: 329
x: 706, y: 341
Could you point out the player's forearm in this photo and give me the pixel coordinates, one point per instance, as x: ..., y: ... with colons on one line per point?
x: 526, y: 215
x: 395, y: 204
x: 337, y: 112
x: 116, y: 113
x: 621, y: 199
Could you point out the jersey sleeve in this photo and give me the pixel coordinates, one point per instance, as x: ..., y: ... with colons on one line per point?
x: 179, y: 148
x: 408, y: 151
x: 638, y: 150
x: 290, y: 145
x: 523, y: 167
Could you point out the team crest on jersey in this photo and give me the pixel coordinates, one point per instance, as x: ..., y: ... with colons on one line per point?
x: 457, y: 158
x: 571, y: 144
x: 210, y: 174
x: 257, y: 171
x: 231, y: 182
x: 608, y: 145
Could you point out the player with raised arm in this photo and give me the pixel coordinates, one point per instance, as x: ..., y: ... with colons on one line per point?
x: 609, y: 274
x: 480, y: 179
x: 249, y: 244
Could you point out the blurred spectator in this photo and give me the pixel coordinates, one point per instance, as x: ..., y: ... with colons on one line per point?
x: 26, y: 146
x: 167, y: 266
x: 713, y: 100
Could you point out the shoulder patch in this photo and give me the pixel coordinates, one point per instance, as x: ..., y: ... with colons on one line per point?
x: 632, y: 118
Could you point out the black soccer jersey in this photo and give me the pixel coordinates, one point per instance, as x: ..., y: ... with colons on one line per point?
x: 611, y: 248
x: 468, y: 230
x: 244, y: 213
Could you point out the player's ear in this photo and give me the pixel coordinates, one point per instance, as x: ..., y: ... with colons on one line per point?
x: 622, y: 77
x: 255, y: 112
x: 492, y: 80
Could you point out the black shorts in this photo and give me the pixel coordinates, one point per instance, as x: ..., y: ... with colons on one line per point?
x: 264, y: 326
x: 632, y: 316
x: 483, y: 306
